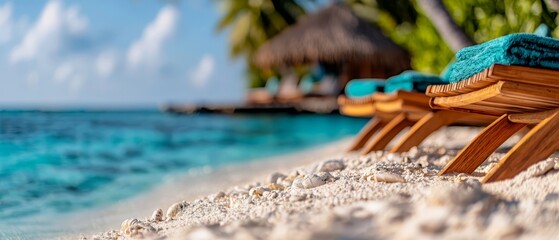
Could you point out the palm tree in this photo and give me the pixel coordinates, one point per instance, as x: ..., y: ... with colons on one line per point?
x: 253, y: 22
x: 455, y: 36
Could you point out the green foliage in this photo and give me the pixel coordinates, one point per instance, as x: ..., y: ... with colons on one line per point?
x: 251, y: 23
x: 482, y: 20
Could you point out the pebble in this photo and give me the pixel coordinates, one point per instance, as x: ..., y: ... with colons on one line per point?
x: 258, y: 191
x: 441, y: 151
x: 460, y: 178
x: 386, y: 177
x: 313, y: 181
x: 423, y: 161
x: 216, y: 196
x: 443, y: 161
x: 157, y: 215
x: 413, y: 152
x: 175, y: 209
x: 273, y: 178
x: 275, y: 186
x: 542, y: 168
x: 298, y: 197
x: 331, y: 165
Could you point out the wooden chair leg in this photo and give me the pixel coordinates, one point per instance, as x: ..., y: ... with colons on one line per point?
x: 485, y: 143
x: 425, y: 126
x: 387, y: 133
x: 366, y: 133
x: 538, y: 144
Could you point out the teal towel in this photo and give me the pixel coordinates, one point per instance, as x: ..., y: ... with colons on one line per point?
x: 445, y: 74
x: 515, y: 49
x: 306, y: 84
x: 272, y: 85
x: 357, y: 88
x: 411, y: 81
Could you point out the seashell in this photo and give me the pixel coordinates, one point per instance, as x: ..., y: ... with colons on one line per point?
x: 542, y: 168
x: 157, y: 215
x: 133, y: 227
x: 257, y: 191
x: 174, y: 210
x: 273, y: 195
x: 460, y: 178
x: 273, y: 178
x: 275, y: 186
x: 325, y: 176
x: 331, y: 165
x: 297, y: 183
x: 127, y: 223
x: 387, y: 178
x: 216, y: 196
x: 313, y: 181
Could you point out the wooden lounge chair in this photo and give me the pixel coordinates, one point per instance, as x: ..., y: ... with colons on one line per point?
x: 395, y: 112
x: 519, y: 97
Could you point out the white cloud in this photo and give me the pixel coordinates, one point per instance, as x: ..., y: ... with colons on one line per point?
x: 146, y: 51
x: 71, y: 74
x: 63, y: 72
x: 105, y: 63
x: 47, y: 34
x: 202, y: 73
x: 6, y: 25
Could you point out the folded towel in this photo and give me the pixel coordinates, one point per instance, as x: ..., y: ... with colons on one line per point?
x: 514, y: 49
x: 272, y: 85
x: 411, y: 81
x: 357, y: 88
x: 445, y: 74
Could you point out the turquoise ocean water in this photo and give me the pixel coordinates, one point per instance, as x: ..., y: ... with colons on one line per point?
x: 59, y: 162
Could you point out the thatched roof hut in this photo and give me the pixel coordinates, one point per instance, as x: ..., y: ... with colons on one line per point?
x: 334, y: 36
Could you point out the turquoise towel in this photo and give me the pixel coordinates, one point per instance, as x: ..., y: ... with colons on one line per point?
x: 306, y: 84
x: 411, y: 81
x: 357, y: 88
x: 272, y: 85
x: 514, y: 49
x: 445, y: 74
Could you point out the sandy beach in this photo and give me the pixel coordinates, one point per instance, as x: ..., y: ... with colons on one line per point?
x: 325, y: 193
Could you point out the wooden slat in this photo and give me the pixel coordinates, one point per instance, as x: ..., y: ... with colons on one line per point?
x: 503, y: 97
x: 381, y: 140
x: 425, y: 126
x: 483, y: 145
x: 361, y: 110
x: 495, y: 73
x: 535, y: 146
x: 532, y: 118
x: 366, y: 133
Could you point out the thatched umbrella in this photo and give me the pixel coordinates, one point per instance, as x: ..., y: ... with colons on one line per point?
x: 334, y: 36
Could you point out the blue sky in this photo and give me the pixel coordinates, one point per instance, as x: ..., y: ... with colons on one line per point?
x: 114, y: 53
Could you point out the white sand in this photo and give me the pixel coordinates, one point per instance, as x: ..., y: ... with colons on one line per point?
x: 190, y: 186
x: 350, y: 204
